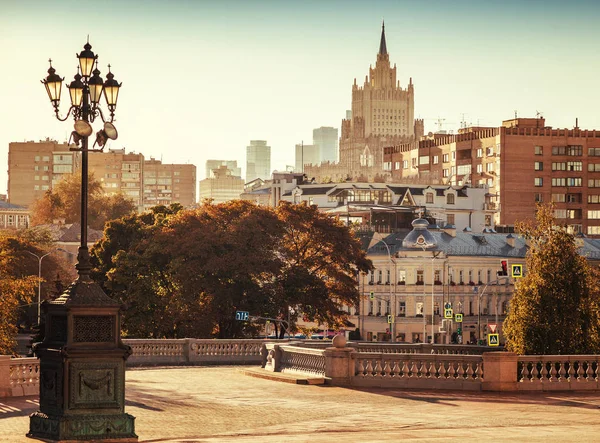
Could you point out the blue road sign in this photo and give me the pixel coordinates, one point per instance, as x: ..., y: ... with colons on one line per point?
x: 242, y: 315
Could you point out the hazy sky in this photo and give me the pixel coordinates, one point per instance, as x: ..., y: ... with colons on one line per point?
x: 203, y: 78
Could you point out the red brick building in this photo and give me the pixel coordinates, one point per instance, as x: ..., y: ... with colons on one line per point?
x: 522, y: 162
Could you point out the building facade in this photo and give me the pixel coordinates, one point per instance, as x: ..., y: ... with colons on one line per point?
x: 33, y: 167
x: 215, y: 164
x: 522, y: 162
x: 223, y: 186
x: 382, y: 114
x: 326, y: 138
x: 119, y: 172
x: 258, y: 160
x: 168, y: 183
x: 13, y: 216
x: 306, y: 155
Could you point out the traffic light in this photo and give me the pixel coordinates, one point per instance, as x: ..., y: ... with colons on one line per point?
x: 371, y: 295
x: 504, y: 271
x: 390, y: 319
x: 459, y: 331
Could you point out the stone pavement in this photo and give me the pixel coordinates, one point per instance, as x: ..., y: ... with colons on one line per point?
x: 220, y: 404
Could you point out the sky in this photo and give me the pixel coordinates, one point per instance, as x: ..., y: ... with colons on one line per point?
x: 202, y: 78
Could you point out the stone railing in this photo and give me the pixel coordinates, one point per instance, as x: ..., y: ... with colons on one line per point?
x: 307, y: 361
x: 19, y: 376
x: 401, y: 348
x: 433, y: 371
x: 194, y: 351
x: 558, y: 372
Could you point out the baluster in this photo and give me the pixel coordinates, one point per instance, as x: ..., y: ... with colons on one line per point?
x: 570, y: 372
x: 561, y: 372
x: 377, y: 372
x: 461, y: 370
x: 451, y: 370
x: 404, y: 370
x: 369, y: 368
x: 386, y: 369
x: 537, y: 376
x: 413, y: 369
x: 524, y: 373
x: 588, y: 371
x: 549, y: 366
x: 441, y: 370
x: 469, y: 373
x: 395, y: 369
x: 421, y: 369
x: 478, y: 371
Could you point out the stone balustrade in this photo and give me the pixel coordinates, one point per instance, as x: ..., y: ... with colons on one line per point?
x: 558, y: 372
x: 194, y: 351
x: 19, y: 376
x: 360, y: 364
x: 423, y: 371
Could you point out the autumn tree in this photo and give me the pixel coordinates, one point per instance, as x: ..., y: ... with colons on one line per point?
x: 185, y: 274
x: 320, y: 260
x: 556, y: 306
x: 64, y: 202
x: 19, y: 282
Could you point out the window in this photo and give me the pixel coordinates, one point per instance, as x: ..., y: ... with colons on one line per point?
x: 445, y: 158
x: 539, y: 198
x: 488, y: 220
x: 593, y: 183
x: 402, y: 309
x: 559, y: 182
x: 453, y: 155
x: 574, y: 166
x: 436, y: 308
x: 401, y: 276
x: 37, y: 158
x: 464, y: 169
x: 560, y: 213
x: 594, y: 152
x: 558, y: 198
x: 559, y: 166
x: 593, y: 230
x: 593, y: 214
x: 461, y: 277
x: 575, y: 150
x: 436, y: 159
x: 594, y: 167
x: 423, y: 160
x: 538, y: 150
x: 397, y: 165
x: 445, y: 173
x: 419, y: 309
x: 538, y: 181
x: 489, y: 167
x: 559, y: 150
x: 45, y: 158
x: 450, y: 219
x: 37, y: 177
x: 420, y: 276
x: 450, y: 199
x: 479, y: 152
x: 574, y: 198
x: 574, y: 181
x: 437, y: 275
x: 538, y: 166
x: 479, y: 169
x: 489, y: 151
x: 371, y: 307
x: 594, y: 199
x: 405, y: 164
x: 36, y: 187
x: 429, y: 197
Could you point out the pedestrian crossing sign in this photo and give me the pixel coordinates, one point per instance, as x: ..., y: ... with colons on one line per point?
x: 458, y: 318
x: 448, y: 313
x: 517, y: 271
x: 493, y: 339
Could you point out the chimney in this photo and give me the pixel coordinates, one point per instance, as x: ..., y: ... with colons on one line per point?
x: 510, y: 240
x: 450, y: 230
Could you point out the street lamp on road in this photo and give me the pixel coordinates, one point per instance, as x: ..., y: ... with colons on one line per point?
x: 39, y: 300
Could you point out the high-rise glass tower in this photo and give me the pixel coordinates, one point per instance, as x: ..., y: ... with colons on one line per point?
x: 258, y: 160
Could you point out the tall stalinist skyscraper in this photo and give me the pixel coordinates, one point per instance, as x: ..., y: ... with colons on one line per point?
x: 382, y: 115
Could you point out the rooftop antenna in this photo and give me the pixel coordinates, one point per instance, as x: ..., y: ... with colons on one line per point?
x: 440, y: 123
x: 516, y: 114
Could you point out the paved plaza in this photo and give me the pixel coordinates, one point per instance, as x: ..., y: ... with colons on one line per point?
x: 221, y: 404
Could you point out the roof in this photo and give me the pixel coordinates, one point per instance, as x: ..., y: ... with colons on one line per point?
x: 382, y: 45
x: 317, y: 191
x: 70, y: 233
x: 6, y: 205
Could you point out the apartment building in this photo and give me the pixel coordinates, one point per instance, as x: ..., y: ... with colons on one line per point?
x: 522, y: 162
x: 119, y: 172
x: 33, y: 167
x: 168, y: 183
x: 222, y: 186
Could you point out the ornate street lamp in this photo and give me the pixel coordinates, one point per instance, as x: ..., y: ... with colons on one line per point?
x: 82, y: 357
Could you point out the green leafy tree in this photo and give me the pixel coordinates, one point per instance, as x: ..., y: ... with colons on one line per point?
x: 556, y: 306
x: 64, y: 202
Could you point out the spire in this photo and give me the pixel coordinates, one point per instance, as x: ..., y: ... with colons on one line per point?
x: 382, y: 46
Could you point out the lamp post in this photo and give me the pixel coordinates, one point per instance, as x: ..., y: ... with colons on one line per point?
x: 82, y: 357
x: 393, y: 302
x: 39, y: 301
